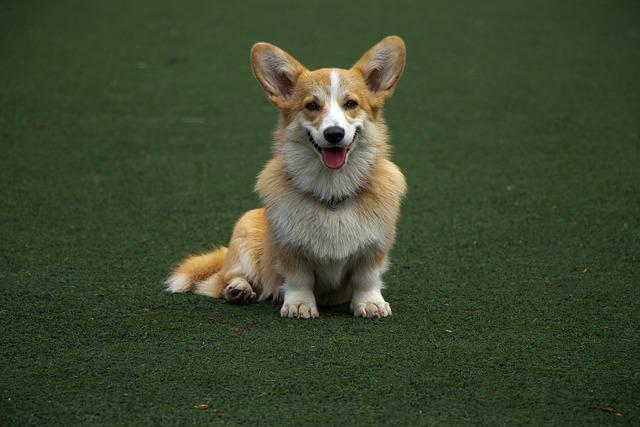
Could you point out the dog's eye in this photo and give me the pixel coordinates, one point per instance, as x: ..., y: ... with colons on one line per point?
x: 312, y: 106
x: 350, y: 104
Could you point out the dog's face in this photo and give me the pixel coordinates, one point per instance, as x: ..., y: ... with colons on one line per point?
x: 329, y: 111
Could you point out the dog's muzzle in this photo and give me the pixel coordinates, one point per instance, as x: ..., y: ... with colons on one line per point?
x: 356, y: 134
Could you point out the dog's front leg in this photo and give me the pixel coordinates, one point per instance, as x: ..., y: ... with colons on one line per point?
x: 299, y: 300
x: 367, y: 300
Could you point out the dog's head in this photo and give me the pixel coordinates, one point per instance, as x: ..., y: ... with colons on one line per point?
x: 331, y: 112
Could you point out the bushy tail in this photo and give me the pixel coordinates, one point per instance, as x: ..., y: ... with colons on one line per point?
x: 196, y: 269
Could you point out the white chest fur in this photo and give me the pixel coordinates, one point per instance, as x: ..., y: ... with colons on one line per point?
x: 300, y: 223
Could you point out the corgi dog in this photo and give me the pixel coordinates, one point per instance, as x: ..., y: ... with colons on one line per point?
x: 331, y: 196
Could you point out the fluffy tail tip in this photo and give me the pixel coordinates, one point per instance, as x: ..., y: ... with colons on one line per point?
x: 178, y: 282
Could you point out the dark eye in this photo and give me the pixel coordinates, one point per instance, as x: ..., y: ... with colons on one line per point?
x: 312, y: 106
x: 350, y: 104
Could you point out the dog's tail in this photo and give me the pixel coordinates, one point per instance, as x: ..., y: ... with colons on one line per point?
x: 198, y: 273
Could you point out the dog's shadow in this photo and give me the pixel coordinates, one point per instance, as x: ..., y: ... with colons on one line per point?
x: 335, y: 310
x: 207, y: 308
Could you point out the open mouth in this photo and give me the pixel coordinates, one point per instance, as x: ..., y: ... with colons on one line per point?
x: 334, y: 157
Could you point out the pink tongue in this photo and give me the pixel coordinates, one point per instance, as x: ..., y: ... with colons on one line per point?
x: 334, y: 158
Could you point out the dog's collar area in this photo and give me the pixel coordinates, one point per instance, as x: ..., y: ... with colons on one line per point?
x: 335, y: 202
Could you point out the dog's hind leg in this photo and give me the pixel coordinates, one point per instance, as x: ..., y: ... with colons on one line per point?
x: 236, y: 290
x: 241, y: 276
x: 239, y: 291
x: 245, y: 268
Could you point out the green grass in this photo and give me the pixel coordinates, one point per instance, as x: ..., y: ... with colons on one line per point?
x: 131, y: 134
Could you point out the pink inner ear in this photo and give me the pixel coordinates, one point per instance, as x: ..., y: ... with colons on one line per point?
x: 283, y: 83
x: 374, y: 79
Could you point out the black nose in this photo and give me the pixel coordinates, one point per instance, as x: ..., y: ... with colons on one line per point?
x: 333, y: 134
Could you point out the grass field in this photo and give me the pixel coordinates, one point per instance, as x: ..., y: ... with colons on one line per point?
x: 131, y: 134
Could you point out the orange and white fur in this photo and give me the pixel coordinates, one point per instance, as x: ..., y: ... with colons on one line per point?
x: 331, y: 195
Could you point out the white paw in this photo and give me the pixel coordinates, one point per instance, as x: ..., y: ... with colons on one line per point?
x: 372, y: 309
x: 239, y: 291
x: 300, y: 310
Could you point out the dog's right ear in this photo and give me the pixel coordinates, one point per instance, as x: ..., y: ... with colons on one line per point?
x: 276, y: 70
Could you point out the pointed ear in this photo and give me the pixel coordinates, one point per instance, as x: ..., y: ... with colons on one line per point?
x: 276, y: 70
x: 382, y: 65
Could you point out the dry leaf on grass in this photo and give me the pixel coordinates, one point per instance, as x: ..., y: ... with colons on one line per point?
x: 472, y: 245
x: 609, y: 410
x: 200, y: 406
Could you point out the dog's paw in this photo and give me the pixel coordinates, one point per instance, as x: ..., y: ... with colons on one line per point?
x: 300, y: 310
x: 239, y: 291
x: 372, y: 309
x: 369, y: 303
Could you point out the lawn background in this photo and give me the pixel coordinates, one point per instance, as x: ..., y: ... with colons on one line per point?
x: 131, y: 134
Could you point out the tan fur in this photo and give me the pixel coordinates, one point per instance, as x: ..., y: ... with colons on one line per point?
x: 201, y: 267
x: 295, y: 241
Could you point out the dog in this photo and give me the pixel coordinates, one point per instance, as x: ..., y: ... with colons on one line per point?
x: 331, y: 197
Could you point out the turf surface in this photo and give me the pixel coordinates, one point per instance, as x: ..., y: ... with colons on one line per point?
x: 131, y: 134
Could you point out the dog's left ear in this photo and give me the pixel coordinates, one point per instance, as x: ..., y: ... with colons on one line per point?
x: 381, y: 66
x: 276, y: 70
